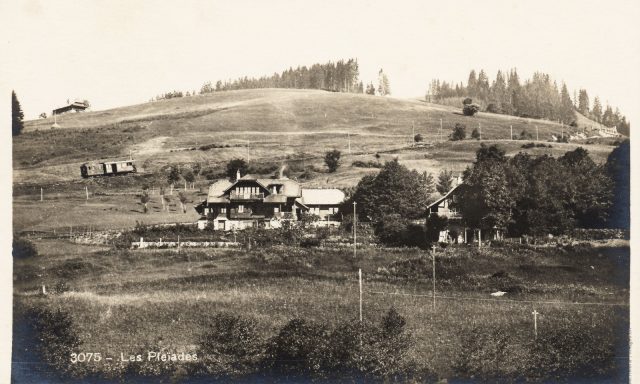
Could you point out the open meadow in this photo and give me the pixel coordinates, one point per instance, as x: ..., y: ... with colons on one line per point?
x: 129, y: 300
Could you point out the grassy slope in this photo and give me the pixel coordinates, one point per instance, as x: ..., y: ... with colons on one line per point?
x: 124, y: 300
x: 278, y: 124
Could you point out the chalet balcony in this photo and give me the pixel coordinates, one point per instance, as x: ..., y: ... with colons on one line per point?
x: 284, y: 215
x: 246, y: 214
x: 246, y: 196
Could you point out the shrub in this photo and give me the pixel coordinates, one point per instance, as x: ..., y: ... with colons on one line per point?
x: 475, y: 134
x: 493, y: 108
x: 231, y: 345
x: 58, y: 338
x: 366, y: 164
x: 459, y: 132
x: 525, y: 135
x: 391, y: 230
x: 332, y: 160
x: 418, y: 138
x: 23, y: 249
x: 470, y: 109
x: 294, y: 351
x: 467, y: 101
x: 396, y: 231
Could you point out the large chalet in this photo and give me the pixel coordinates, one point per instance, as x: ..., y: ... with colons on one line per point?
x: 252, y: 201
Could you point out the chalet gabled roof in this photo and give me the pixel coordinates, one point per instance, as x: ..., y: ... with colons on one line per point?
x: 322, y: 196
x: 217, y: 190
x: 435, y: 203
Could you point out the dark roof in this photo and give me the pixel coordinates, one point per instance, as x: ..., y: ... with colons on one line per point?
x: 74, y: 105
x: 445, y: 196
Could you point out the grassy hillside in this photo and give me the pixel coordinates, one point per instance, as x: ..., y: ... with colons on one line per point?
x: 265, y: 126
x: 273, y: 122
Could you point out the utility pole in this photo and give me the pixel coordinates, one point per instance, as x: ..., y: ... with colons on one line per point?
x: 433, y: 268
x: 512, y: 132
x: 537, y: 136
x: 480, y: 130
x: 41, y: 192
x: 360, y: 284
x: 348, y: 139
x: 440, y: 129
x: 355, y: 219
x: 535, y: 322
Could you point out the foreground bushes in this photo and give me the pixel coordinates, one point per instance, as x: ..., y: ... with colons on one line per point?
x: 567, y: 351
x: 304, y: 350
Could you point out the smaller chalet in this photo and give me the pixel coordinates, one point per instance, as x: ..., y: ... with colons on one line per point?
x: 76, y: 106
x: 457, y: 230
x: 446, y: 207
x: 252, y: 201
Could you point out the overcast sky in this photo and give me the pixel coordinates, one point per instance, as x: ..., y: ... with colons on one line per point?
x: 117, y: 53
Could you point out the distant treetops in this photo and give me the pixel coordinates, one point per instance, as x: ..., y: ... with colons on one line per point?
x: 538, y: 97
x: 339, y: 76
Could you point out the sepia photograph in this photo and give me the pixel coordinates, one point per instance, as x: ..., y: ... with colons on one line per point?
x: 316, y: 192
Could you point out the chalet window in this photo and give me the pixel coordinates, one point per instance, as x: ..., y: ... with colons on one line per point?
x: 206, y: 211
x: 223, y: 210
x: 276, y: 209
x: 240, y: 208
x: 129, y: 163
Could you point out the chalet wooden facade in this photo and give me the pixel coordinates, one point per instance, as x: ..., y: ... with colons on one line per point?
x: 457, y: 230
x: 76, y: 106
x: 445, y: 206
x: 253, y: 201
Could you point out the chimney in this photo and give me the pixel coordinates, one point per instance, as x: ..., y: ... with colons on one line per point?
x: 281, y: 171
x: 238, y: 174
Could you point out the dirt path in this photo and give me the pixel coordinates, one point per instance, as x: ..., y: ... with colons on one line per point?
x: 150, y: 147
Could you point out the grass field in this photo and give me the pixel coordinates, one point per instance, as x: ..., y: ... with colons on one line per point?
x: 255, y: 124
x: 122, y: 300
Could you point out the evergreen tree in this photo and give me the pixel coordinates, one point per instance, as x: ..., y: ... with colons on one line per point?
x: 483, y: 85
x: 17, y: 115
x: 383, y: 84
x: 608, y: 118
x: 567, y: 115
x: 596, y: 113
x: 499, y: 89
x: 583, y: 102
x: 445, y: 181
x: 472, y: 84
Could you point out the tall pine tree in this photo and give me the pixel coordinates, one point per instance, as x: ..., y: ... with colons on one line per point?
x: 16, y: 115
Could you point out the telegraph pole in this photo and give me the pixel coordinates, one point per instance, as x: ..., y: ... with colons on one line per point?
x: 480, y: 130
x: 349, y: 140
x: 355, y: 219
x: 440, y: 129
x: 433, y: 258
x: 360, y: 284
x: 535, y: 322
x: 512, y: 132
x: 537, y: 136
